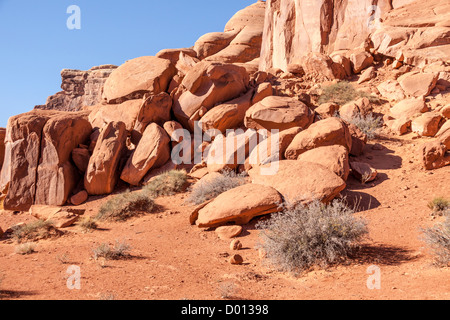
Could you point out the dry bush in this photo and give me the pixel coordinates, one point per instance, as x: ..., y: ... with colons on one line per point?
x: 342, y: 93
x: 216, y: 186
x: 120, y: 250
x: 88, y: 224
x: 34, y: 231
x: 302, y: 237
x: 439, y: 205
x: 369, y: 124
x: 167, y: 184
x: 124, y: 206
x: 25, y: 248
x: 438, y: 239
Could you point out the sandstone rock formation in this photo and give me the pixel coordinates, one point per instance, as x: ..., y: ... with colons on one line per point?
x: 137, y: 77
x: 239, y: 205
x: 301, y: 182
x: 102, y: 172
x: 80, y: 89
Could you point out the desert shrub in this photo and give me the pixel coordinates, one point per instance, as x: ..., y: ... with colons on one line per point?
x: 167, y: 184
x: 34, y: 231
x: 302, y: 237
x: 369, y: 124
x: 120, y: 250
x: 342, y: 93
x: 88, y: 224
x: 25, y: 248
x: 124, y: 206
x: 438, y: 239
x: 439, y: 205
x: 202, y: 192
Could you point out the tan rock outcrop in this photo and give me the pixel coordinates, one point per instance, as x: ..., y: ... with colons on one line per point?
x: 102, y: 172
x: 138, y: 76
x: 152, y: 151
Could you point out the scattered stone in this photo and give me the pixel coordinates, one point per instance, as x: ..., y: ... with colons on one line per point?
x: 79, y: 198
x: 228, y: 232
x: 236, y: 259
x: 363, y: 171
x: 235, y: 245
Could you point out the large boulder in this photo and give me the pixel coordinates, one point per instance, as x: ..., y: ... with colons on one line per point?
x: 417, y: 84
x: 206, y: 85
x: 427, y: 125
x: 22, y: 154
x: 227, y: 152
x: 434, y: 155
x: 333, y: 157
x: 409, y: 108
x: 273, y: 148
x: 56, y: 175
x: 155, y: 108
x: 239, y: 205
x: 126, y: 112
x: 279, y: 113
x: 241, y: 40
x: 228, y: 115
x: 301, y: 182
x: 152, y: 151
x: 322, y: 66
x: 327, y: 132
x: 138, y: 76
x: 102, y: 172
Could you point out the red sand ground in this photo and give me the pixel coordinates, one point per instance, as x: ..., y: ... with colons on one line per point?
x: 173, y: 260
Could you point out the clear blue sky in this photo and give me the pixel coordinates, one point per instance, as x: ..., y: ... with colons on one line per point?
x: 35, y: 43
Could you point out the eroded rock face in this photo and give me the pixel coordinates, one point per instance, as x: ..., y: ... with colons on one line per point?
x: 418, y: 30
x: 206, y: 85
x: 80, y: 88
x: 56, y: 175
x: 241, y: 40
x: 2, y: 146
x: 152, y: 151
x: 102, y: 172
x: 22, y: 154
x: 327, y: 132
x: 295, y: 28
x: 137, y: 77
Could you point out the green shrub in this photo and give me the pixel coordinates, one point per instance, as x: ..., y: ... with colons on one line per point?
x: 167, y: 184
x: 205, y: 191
x: 124, y: 206
x: 438, y: 239
x: 302, y: 237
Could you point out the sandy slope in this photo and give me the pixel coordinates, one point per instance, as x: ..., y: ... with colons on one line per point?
x: 174, y: 260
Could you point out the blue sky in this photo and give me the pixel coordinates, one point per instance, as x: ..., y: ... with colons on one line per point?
x: 35, y: 43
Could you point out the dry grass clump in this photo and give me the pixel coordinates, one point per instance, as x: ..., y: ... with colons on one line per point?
x: 125, y: 206
x: 167, y: 184
x: 302, y: 237
x: 438, y: 239
x: 25, y: 248
x: 369, y: 125
x: 202, y: 192
x: 439, y: 205
x: 34, y: 231
x: 342, y: 93
x: 88, y: 224
x: 120, y: 250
